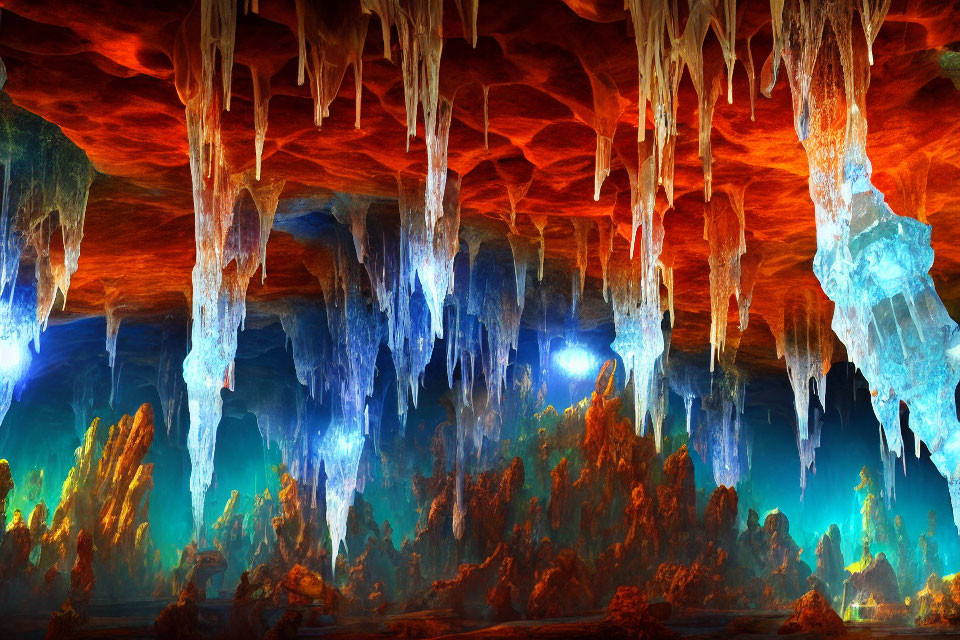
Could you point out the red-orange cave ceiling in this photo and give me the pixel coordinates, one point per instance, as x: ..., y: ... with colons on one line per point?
x: 103, y: 72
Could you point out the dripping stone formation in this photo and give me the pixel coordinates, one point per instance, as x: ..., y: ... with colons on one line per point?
x: 560, y: 293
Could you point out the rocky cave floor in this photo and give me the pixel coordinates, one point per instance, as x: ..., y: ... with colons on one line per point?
x: 136, y: 620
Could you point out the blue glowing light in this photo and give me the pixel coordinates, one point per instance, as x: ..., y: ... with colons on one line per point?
x: 577, y: 362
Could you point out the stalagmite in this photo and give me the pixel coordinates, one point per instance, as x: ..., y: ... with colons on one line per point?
x: 581, y: 227
x: 873, y: 263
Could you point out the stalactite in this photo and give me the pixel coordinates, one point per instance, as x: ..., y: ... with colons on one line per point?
x: 522, y: 251
x: 581, y: 227
x: 486, y: 117
x: 540, y: 222
x: 46, y: 181
x: 606, y: 113
x: 113, y: 329
x: 723, y: 229
x: 749, y: 269
x: 605, y: 251
x: 261, y: 104
x: 635, y: 293
x: 726, y: 31
x: 351, y: 210
x: 330, y: 38
x: 468, y: 10
x: 872, y: 263
x: 872, y: 14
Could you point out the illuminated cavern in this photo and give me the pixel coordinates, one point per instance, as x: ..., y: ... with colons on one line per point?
x: 555, y: 318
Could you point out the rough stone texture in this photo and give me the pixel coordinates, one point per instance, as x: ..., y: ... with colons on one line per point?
x: 104, y: 73
x: 812, y: 614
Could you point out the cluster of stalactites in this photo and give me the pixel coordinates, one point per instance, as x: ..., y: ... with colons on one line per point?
x: 225, y: 233
x: 46, y: 181
x: 873, y: 263
x: 663, y: 51
x: 635, y: 297
x: 330, y: 38
x: 805, y: 342
x: 722, y: 412
x: 723, y: 228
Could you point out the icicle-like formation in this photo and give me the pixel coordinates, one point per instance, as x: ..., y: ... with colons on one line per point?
x: 723, y: 229
x: 872, y: 14
x: 261, y: 104
x: 266, y: 198
x: 722, y: 410
x: 888, y: 460
x: 691, y: 51
x: 726, y: 30
x: 873, y: 263
x: 113, y: 329
x: 635, y: 297
x: 804, y: 340
x: 581, y: 227
x: 605, y: 251
x: 522, y: 251
x: 543, y: 347
x: 466, y: 427
x: 351, y: 210
x: 430, y: 248
x: 666, y: 275
x: 222, y: 236
x: 386, y: 11
x: 330, y: 39
x: 468, y: 16
x: 540, y: 222
x: 751, y: 78
x: 606, y: 115
x: 304, y: 325
x: 749, y: 268
x: 516, y: 191
x: 169, y: 375
x: 808, y: 447
x: 43, y: 173
x: 486, y: 117
x: 340, y: 449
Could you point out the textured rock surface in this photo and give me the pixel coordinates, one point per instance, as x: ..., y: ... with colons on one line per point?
x: 104, y: 73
